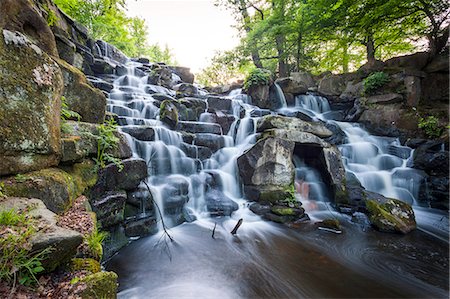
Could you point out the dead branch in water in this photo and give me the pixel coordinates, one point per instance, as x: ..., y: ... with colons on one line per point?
x: 160, y: 214
x: 214, y: 230
x: 238, y: 224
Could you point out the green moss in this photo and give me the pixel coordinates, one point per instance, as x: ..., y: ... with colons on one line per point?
x: 283, y: 211
x: 100, y: 285
x: 257, y: 77
x: 391, y: 216
x: 86, y: 264
x: 374, y: 82
x: 286, y: 194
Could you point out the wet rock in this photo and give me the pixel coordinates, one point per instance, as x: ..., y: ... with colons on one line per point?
x: 259, y: 209
x: 267, y: 171
x: 220, y: 103
x: 330, y: 224
x: 391, y: 215
x: 143, y: 133
x: 184, y: 73
x: 287, y: 211
x: 140, y: 198
x: 100, y: 84
x: 113, y: 178
x: 338, y: 136
x: 432, y: 158
x: 390, y: 116
x: 110, y: 208
x: 280, y: 218
x: 296, y: 136
x: 168, y: 114
x: 260, y: 96
x: 289, y: 85
x: 292, y: 124
x: 101, y: 66
x: 140, y: 227
x: 104, y: 49
x: 63, y: 242
x: 186, y: 90
x: 80, y: 96
x: 100, y: 285
x: 297, y: 114
x: 218, y: 204
x: 29, y: 102
x: 198, y: 127
x: 332, y: 85
x: 190, y: 109
x: 212, y: 141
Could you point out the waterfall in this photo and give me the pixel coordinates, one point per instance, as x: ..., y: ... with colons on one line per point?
x: 280, y: 96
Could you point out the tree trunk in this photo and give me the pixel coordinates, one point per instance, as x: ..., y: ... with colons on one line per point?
x: 370, y: 46
x: 282, y: 68
x: 299, y: 52
x: 345, y: 58
x: 252, y: 43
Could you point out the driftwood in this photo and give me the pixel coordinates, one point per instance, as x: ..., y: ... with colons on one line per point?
x: 238, y: 224
x: 214, y: 230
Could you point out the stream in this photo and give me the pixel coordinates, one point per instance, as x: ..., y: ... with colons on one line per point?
x: 264, y: 259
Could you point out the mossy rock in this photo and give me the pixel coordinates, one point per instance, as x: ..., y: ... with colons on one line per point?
x: 87, y: 264
x: 100, y: 285
x: 330, y: 224
x: 168, y: 113
x: 392, y: 215
x: 30, y: 104
x: 287, y: 211
x: 55, y: 187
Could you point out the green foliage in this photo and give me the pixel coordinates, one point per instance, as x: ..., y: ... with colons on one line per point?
x: 107, y: 140
x: 94, y: 242
x: 431, y: 126
x: 51, y: 16
x: 66, y: 114
x: 17, y: 262
x: 375, y: 81
x: 2, y: 190
x: 257, y: 77
x: 107, y: 20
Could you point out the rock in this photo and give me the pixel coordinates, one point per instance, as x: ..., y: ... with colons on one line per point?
x: 80, y: 96
x: 220, y: 103
x: 292, y: 124
x: 29, y: 102
x: 218, y: 204
x: 296, y: 136
x: 416, y: 61
x: 103, y: 49
x: 287, y: 211
x: 267, y: 171
x: 352, y: 90
x: 143, y: 133
x: 82, y: 142
x: 289, y: 85
x: 333, y: 171
x: 63, y: 242
x: 109, y: 208
x: 259, y: 209
x: 332, y: 85
x: 116, y: 240
x: 111, y: 178
x: 260, y: 96
x: 385, y: 99
x: 212, y: 141
x: 85, y: 264
x: 184, y: 73
x: 304, y: 79
x: 26, y: 17
x: 101, y: 67
x: 388, y: 116
x: 432, y: 158
x: 434, y: 89
x: 438, y: 64
x: 338, y: 137
x: 391, y: 215
x: 190, y: 109
x: 168, y: 113
x: 279, y: 218
x: 55, y: 187
x: 186, y: 90
x: 199, y: 127
x: 140, y: 227
x: 100, y: 285
x: 331, y: 224
x: 100, y: 84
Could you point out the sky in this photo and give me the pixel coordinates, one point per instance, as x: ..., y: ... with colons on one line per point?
x: 193, y: 29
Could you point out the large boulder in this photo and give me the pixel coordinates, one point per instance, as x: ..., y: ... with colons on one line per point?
x: 432, y: 158
x: 388, y: 116
x: 30, y: 103
x: 260, y: 96
x: 391, y: 215
x: 81, y: 96
x: 168, y: 113
x: 55, y: 187
x: 289, y: 85
x: 184, y: 73
x: 25, y: 17
x: 332, y: 85
x: 218, y: 204
x: 292, y: 124
x: 62, y: 242
x: 267, y: 171
x: 303, y: 79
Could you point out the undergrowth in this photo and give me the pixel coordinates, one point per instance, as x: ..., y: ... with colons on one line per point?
x: 94, y: 242
x: 257, y: 77
x: 375, y: 81
x: 107, y: 140
x: 66, y: 114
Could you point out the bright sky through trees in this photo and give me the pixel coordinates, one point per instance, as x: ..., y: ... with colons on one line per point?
x: 193, y: 29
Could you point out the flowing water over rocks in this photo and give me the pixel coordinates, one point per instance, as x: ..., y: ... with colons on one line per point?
x: 191, y: 142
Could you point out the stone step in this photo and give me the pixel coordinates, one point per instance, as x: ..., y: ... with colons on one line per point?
x: 212, y: 141
x: 199, y: 127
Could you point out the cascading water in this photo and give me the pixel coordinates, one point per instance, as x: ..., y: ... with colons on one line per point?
x: 263, y: 260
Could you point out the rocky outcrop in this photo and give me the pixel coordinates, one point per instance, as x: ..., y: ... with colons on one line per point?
x: 267, y: 171
x: 30, y: 101
x: 292, y: 124
x: 61, y: 242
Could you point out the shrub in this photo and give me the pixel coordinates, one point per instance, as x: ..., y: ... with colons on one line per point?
x: 17, y: 262
x: 375, y: 81
x: 107, y: 140
x: 430, y: 125
x: 94, y: 242
x: 257, y: 77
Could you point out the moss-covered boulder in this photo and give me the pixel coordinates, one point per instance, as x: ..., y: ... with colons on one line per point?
x: 29, y: 105
x: 81, y: 141
x: 81, y: 96
x: 62, y: 243
x: 100, y: 285
x: 168, y: 113
x: 391, y: 215
x: 267, y: 171
x: 85, y: 264
x: 55, y: 187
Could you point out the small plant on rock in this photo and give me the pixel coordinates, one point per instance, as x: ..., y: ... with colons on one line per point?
x: 94, y: 242
x: 107, y: 140
x: 257, y: 77
x: 17, y: 262
x: 375, y: 81
x: 431, y: 126
x: 66, y: 114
